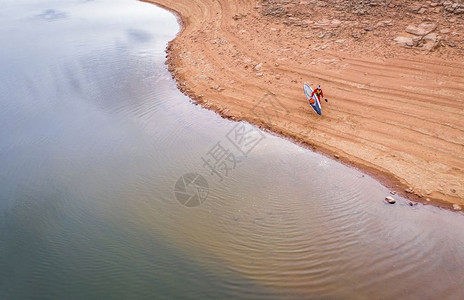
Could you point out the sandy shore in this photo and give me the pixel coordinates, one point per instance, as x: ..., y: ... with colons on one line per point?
x: 395, y: 112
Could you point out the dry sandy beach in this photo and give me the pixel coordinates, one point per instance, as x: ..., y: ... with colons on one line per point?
x: 393, y: 72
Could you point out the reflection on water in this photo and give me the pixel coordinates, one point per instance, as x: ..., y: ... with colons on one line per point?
x: 52, y: 15
x: 94, y: 137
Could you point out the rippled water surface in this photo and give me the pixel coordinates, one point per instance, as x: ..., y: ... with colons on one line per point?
x: 113, y: 185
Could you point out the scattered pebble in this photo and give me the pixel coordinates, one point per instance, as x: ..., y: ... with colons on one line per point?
x: 258, y: 67
x: 404, y: 41
x: 422, y: 29
x: 390, y: 200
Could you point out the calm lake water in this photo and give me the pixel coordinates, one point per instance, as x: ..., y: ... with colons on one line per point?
x: 115, y: 186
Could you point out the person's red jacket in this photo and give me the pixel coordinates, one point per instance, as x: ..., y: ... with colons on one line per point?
x: 318, y: 93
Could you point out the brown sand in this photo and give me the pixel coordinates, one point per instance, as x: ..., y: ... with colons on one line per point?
x: 394, y: 112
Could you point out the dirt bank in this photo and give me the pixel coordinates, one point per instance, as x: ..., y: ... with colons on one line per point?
x: 393, y: 72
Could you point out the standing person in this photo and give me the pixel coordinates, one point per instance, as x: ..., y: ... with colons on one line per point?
x: 318, y: 93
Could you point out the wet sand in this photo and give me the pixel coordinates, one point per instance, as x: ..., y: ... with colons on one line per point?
x: 395, y: 113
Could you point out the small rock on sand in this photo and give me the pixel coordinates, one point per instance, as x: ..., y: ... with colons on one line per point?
x: 422, y: 29
x: 431, y: 41
x: 457, y: 207
x: 404, y: 41
x: 390, y: 200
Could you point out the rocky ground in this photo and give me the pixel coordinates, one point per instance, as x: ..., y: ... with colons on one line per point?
x: 381, y: 25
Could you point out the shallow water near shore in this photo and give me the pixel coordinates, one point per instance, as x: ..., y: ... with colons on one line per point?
x: 97, y: 152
